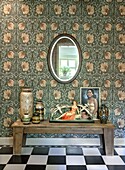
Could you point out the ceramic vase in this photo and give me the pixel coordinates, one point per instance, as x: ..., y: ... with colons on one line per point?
x: 104, y: 113
x: 26, y: 102
x: 40, y: 109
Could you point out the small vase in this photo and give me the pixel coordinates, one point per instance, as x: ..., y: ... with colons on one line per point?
x: 103, y: 115
x: 40, y: 109
x: 36, y: 118
x: 26, y: 102
x: 26, y: 119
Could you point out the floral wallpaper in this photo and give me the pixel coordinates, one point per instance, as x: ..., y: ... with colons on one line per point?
x: 27, y: 27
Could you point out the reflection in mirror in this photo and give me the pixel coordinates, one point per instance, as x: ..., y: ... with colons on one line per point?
x: 64, y: 58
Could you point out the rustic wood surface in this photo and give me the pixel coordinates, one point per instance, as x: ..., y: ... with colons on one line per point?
x: 105, y: 131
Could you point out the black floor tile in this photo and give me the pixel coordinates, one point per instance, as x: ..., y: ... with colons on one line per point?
x: 74, y: 151
x: 76, y: 167
x: 2, y: 167
x: 116, y: 167
x: 35, y: 167
x: 18, y: 159
x: 94, y: 160
x: 123, y: 158
x: 6, y: 150
x: 40, y: 151
x: 56, y: 160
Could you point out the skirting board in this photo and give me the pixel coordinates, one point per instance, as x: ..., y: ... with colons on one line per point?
x: 62, y: 141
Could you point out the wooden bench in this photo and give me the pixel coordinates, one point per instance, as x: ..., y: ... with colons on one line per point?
x: 105, y: 131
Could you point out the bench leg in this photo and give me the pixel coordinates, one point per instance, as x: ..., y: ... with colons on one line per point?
x: 109, y: 141
x: 17, y: 140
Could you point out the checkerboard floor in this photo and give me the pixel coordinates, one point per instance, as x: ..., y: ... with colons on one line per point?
x: 61, y: 158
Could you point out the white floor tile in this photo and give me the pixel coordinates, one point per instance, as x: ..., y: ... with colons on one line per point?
x: 15, y: 167
x: 56, y: 167
x: 57, y: 151
x: 113, y: 160
x: 37, y: 159
x: 26, y: 151
x: 91, y: 151
x: 75, y: 160
x: 97, y: 167
x: 120, y: 151
x: 4, y: 158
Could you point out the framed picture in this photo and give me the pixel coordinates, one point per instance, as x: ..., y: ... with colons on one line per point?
x: 90, y: 96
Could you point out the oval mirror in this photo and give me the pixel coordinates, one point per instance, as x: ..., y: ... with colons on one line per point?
x: 64, y: 58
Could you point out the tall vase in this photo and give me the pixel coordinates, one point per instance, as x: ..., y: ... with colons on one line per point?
x: 26, y: 102
x: 104, y: 113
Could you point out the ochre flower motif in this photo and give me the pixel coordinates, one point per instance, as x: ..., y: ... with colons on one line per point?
x: 90, y: 9
x: 85, y: 83
x: 43, y: 83
x: 89, y: 67
x: 108, y: 27
x: 122, y: 38
x: 117, y: 111
x: 122, y: 10
x: 7, y: 9
x: 10, y: 54
x: 43, y: 54
x: 54, y: 26
x: 22, y: 54
x: 107, y: 83
x: 108, y: 0
x: 25, y: 9
x: 86, y: 26
x: 25, y: 37
x: 90, y: 38
x: 118, y: 55
x: 72, y: 9
x: 119, y: 0
x: 53, y: 83
x: 75, y: 26
x: 71, y: 94
x: 118, y: 83
x: 104, y: 67
x: 10, y: 26
x: 10, y: 110
x: 7, y: 66
x: 107, y: 55
x: 21, y: 83
x: 21, y: 26
x: 10, y: 82
x: 39, y: 66
x: 43, y: 26
x: 105, y: 10
x: 39, y: 9
x: 25, y: 66
x: 39, y: 38
x: 39, y: 94
x: 57, y: 94
x: 7, y: 94
x: 57, y: 9
x: 104, y: 95
x: 7, y: 37
x: 104, y: 38
x: 121, y: 123
x: 119, y: 27
x: 121, y: 67
x: 121, y: 95
x: 86, y: 55
x: 75, y: 83
x: 7, y: 122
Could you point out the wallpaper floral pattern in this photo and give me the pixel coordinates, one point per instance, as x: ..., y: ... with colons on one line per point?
x: 27, y: 28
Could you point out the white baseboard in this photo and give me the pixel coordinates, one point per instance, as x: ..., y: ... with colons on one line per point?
x: 62, y: 141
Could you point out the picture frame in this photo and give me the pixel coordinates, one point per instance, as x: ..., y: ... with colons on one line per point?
x: 96, y: 94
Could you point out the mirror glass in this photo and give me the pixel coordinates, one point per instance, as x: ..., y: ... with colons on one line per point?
x: 64, y: 58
